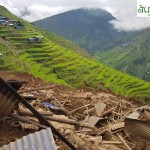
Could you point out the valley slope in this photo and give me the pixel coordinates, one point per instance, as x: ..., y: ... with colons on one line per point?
x: 132, y: 56
x: 89, y: 28
x: 56, y: 61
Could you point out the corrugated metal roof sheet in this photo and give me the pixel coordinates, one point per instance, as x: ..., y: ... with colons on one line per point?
x: 7, y: 102
x: 7, y: 99
x: 138, y: 128
x: 41, y: 140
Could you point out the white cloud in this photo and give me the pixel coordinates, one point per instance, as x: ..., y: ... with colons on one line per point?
x: 125, y: 13
x: 123, y: 10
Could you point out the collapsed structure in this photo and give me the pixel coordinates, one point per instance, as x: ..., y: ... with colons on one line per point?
x: 83, y: 120
x: 9, y: 22
x: 38, y: 39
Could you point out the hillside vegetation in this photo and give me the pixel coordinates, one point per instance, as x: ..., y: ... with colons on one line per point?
x: 89, y: 28
x: 56, y: 63
x: 132, y: 56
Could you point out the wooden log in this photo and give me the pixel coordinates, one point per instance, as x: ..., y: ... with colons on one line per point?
x: 23, y: 119
x: 81, y: 131
x: 111, y: 142
x: 29, y: 113
x: 123, y: 142
x: 69, y: 121
x: 36, y: 89
x: 48, y: 116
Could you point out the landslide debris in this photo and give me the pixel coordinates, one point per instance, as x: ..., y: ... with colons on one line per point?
x: 89, y: 119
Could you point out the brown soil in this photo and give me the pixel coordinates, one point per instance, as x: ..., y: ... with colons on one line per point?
x: 9, y: 133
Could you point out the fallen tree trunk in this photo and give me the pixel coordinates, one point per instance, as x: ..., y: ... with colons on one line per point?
x: 47, y: 115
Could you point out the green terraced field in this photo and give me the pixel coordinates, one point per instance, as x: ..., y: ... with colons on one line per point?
x: 60, y: 64
x: 132, y: 56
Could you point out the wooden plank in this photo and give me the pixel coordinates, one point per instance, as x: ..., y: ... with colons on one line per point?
x: 100, y: 106
x: 93, y: 120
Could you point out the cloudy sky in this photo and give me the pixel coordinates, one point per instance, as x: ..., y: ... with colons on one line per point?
x: 123, y: 10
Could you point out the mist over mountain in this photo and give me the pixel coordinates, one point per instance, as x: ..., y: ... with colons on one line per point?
x: 89, y: 28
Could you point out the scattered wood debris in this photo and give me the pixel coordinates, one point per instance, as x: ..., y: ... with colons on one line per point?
x: 90, y: 120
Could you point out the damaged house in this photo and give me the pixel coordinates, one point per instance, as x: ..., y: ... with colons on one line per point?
x: 36, y: 39
x: 12, y: 23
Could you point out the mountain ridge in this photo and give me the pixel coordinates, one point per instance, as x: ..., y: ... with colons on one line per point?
x: 125, y: 51
x: 89, y: 28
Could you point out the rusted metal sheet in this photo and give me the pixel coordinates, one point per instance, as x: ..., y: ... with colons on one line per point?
x: 41, y: 140
x: 7, y: 102
x: 138, y: 128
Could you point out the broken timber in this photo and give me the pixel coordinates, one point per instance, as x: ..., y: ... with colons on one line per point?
x: 58, y: 119
x: 36, y: 113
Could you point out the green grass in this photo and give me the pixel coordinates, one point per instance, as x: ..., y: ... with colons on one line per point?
x: 133, y: 58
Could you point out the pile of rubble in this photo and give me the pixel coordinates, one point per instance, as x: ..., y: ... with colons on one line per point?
x: 89, y: 120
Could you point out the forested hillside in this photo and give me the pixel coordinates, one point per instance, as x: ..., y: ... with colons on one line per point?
x: 131, y: 56
x: 89, y: 28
